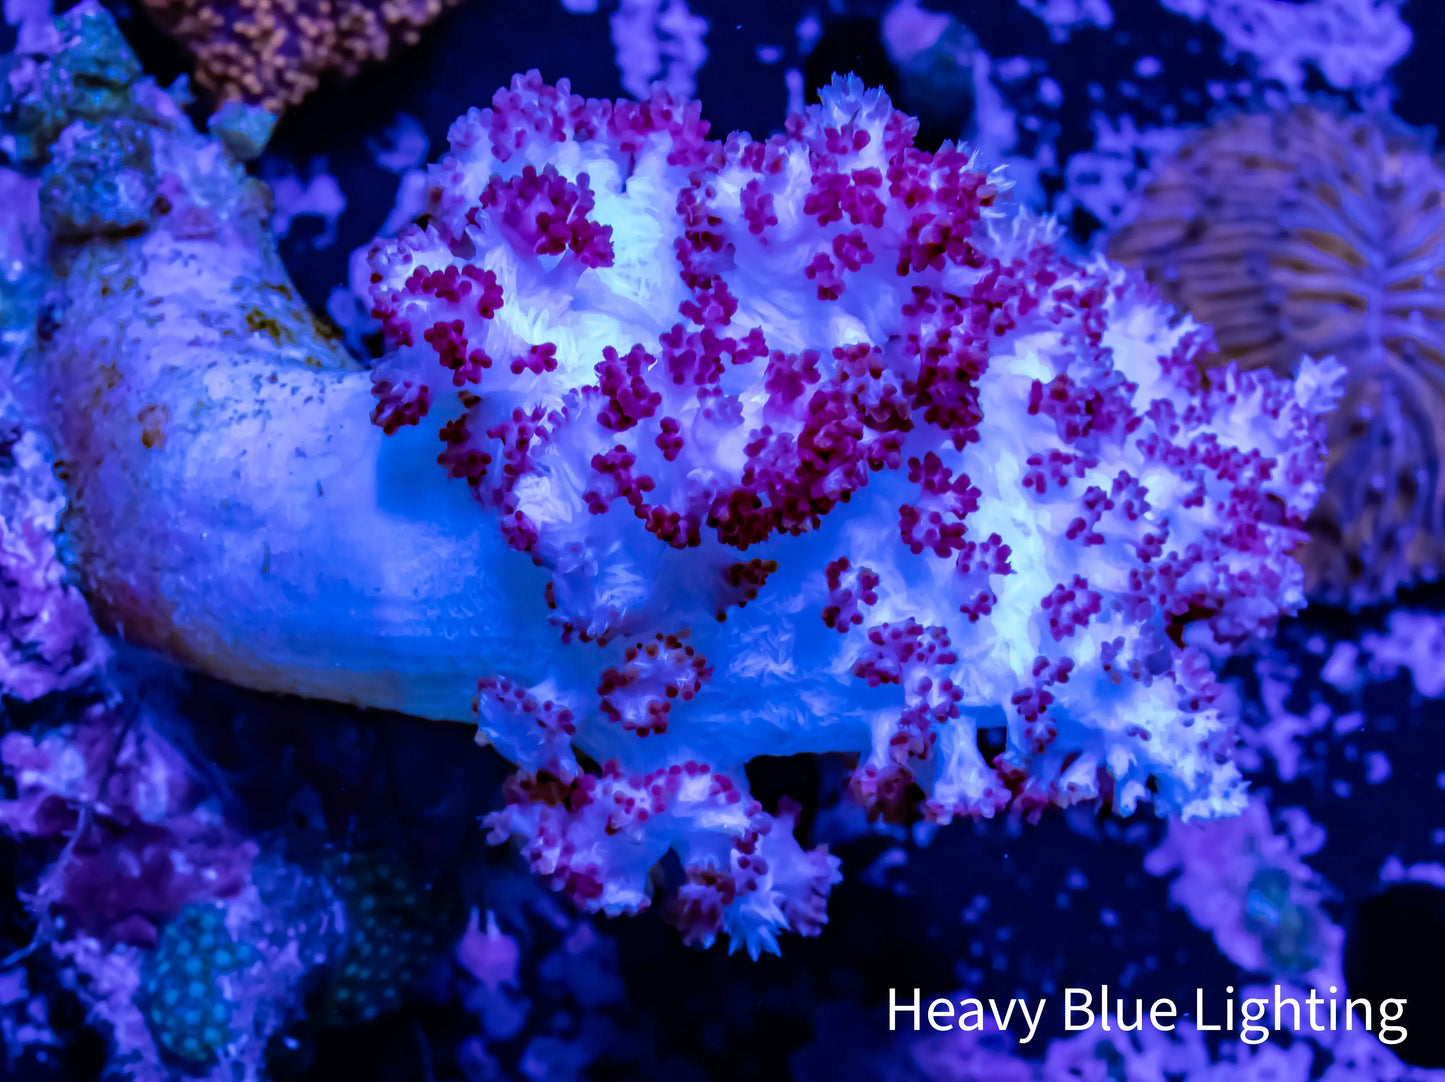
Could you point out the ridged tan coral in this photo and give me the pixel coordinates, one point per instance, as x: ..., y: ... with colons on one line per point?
x: 1308, y: 233
x: 275, y: 52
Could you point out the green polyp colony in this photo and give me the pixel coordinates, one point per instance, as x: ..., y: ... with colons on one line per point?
x: 384, y: 930
x: 393, y: 934
x: 1289, y: 932
x: 186, y: 1004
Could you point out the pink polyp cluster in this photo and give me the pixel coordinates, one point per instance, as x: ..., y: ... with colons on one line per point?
x: 821, y: 449
x: 746, y: 873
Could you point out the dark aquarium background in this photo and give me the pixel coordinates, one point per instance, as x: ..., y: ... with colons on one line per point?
x: 220, y: 869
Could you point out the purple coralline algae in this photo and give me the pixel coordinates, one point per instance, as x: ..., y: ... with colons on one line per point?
x: 48, y: 640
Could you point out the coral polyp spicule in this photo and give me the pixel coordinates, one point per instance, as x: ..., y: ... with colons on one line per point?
x: 1310, y: 233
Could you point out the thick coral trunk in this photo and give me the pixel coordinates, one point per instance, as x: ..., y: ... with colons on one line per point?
x: 230, y: 502
x: 234, y: 507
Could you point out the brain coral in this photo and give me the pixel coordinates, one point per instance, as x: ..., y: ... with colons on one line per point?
x: 1306, y: 233
x: 275, y: 53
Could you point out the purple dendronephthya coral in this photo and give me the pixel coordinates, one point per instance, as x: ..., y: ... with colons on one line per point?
x: 745, y: 448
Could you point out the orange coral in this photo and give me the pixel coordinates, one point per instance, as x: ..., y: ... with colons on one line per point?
x: 1306, y: 233
x: 275, y: 52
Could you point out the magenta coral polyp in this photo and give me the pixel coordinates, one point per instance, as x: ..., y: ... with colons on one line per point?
x: 959, y: 482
